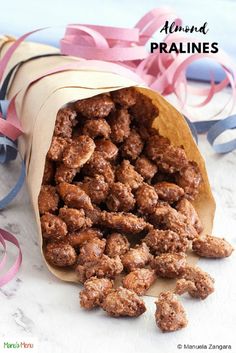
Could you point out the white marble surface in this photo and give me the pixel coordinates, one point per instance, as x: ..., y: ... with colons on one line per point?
x: 35, y: 304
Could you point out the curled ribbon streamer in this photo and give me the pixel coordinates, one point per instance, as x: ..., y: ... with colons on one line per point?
x: 163, y: 72
x: 12, y: 271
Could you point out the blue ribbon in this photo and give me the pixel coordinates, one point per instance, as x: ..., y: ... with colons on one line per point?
x: 8, y: 152
x: 213, y: 129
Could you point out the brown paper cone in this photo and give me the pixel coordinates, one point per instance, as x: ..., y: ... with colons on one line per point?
x: 37, y: 108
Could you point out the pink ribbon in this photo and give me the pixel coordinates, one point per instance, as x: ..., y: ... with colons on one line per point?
x: 165, y: 73
x: 11, y: 272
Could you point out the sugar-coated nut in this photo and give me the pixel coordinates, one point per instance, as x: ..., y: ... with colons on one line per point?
x: 66, y: 118
x: 137, y: 257
x: 186, y: 208
x: 178, y: 223
x: 146, y: 198
x: 132, y: 146
x: 145, y: 168
x: 168, y: 157
x: 99, y: 165
x: 94, y: 292
x: 94, y: 214
x: 74, y: 196
x: 168, y: 192
x: 184, y: 286
x: 209, y: 246
x: 75, y: 219
x: 123, y: 222
x: 48, y: 199
x: 120, y: 125
x: 202, y: 283
x: 139, y: 280
x: 170, y: 314
x: 165, y: 241
x: 49, y: 170
x: 108, y: 149
x: 116, y: 245
x: 144, y: 111
x: 169, y: 265
x: 63, y: 173
x: 189, y: 178
x: 156, y: 146
x: 53, y: 226
x: 60, y: 254
x: 127, y: 175
x: 96, y: 128
x: 95, y: 107
x: 78, y: 152
x: 57, y: 148
x: 103, y: 267
x: 125, y: 97
x: 92, y: 250
x: 158, y: 216
x: 96, y: 188
x: 120, y: 198
x: 77, y: 239
x: 123, y: 302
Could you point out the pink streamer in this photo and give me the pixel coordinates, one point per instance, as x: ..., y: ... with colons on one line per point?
x: 12, y: 271
x: 165, y: 73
